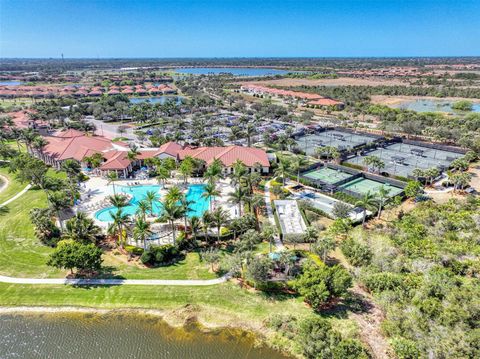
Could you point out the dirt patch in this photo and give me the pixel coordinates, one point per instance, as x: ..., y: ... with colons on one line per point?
x: 395, y: 100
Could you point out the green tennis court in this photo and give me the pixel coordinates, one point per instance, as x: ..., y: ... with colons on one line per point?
x: 327, y: 175
x: 364, y: 185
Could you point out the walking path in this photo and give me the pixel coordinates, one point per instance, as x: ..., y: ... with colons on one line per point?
x: 148, y: 282
x: 16, y: 196
x: 278, y: 243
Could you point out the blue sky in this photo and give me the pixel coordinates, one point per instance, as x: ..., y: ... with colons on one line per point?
x: 236, y: 28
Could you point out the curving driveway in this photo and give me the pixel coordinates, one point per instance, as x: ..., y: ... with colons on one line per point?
x: 86, y: 282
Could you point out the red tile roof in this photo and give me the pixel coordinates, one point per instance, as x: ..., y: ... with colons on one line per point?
x: 118, y: 161
x: 228, y: 155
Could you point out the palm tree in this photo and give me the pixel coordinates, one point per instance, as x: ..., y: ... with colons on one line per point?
x: 214, y: 171
x: 210, y: 192
x: 133, y: 154
x: 39, y: 144
x: 368, y: 200
x: 206, y: 222
x: 382, y: 195
x: 239, y: 170
x: 310, y: 235
x: 81, y: 228
x: 151, y: 197
x: 143, y: 207
x: 171, y: 212
x: 120, y: 221
x: 58, y: 202
x: 112, y: 177
x: 298, y: 163
x: 195, y: 225
x: 237, y: 197
x: 174, y: 194
x: 142, y: 231
x: 118, y: 200
x: 185, y: 206
x: 219, y: 218
x: 282, y: 170
x: 162, y: 174
x: 268, y: 234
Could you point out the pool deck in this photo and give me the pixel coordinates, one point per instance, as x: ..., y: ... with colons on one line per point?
x: 96, y: 189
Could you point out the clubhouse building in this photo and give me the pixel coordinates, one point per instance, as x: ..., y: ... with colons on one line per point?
x: 76, y: 145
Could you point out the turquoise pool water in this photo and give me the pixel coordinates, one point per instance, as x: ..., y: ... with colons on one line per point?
x: 138, y: 193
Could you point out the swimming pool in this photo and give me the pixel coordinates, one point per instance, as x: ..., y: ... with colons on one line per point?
x: 138, y: 193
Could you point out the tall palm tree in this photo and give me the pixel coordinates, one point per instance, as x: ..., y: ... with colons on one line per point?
x: 151, y: 197
x: 210, y: 192
x: 268, y: 234
x: 195, y: 225
x: 282, y: 170
x: 143, y: 207
x: 382, y: 196
x: 162, y: 174
x: 368, y: 200
x: 214, y: 171
x: 185, y: 206
x: 142, y: 231
x: 112, y: 177
x: 239, y: 171
x: 58, y: 201
x: 171, y: 212
x: 298, y: 163
x: 174, y: 194
x: 219, y: 218
x: 120, y: 221
x: 237, y: 197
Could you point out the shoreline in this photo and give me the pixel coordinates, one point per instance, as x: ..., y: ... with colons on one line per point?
x: 182, y: 317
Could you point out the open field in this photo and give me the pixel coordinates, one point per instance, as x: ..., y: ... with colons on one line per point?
x: 396, y: 100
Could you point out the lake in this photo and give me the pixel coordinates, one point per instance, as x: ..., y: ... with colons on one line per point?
x: 236, y: 71
x: 82, y: 335
x: 430, y: 105
x: 10, y: 83
x: 156, y: 99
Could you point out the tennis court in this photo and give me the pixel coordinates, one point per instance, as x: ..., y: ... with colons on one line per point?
x: 401, y: 159
x: 365, y: 185
x: 327, y: 175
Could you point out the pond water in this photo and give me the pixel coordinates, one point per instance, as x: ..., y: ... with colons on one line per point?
x: 236, y: 71
x: 428, y: 105
x: 157, y: 99
x: 10, y: 83
x: 80, y: 335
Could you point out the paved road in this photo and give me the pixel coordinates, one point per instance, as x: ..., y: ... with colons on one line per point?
x: 278, y: 243
x: 87, y: 282
x: 16, y: 196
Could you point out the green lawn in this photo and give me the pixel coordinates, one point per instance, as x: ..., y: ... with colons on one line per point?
x: 226, y: 298
x: 22, y: 255
x: 12, y: 189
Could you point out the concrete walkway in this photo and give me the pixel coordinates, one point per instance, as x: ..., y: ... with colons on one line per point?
x: 16, y: 196
x: 278, y: 243
x: 86, y: 282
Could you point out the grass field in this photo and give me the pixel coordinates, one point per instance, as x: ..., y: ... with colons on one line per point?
x: 22, y: 255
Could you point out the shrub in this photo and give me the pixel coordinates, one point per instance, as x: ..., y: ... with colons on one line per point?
x: 161, y: 255
x: 134, y: 250
x: 357, y: 254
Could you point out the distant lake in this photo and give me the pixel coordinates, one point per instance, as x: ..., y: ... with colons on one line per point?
x: 10, y: 83
x: 430, y: 105
x: 236, y: 71
x: 80, y: 335
x: 157, y: 99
